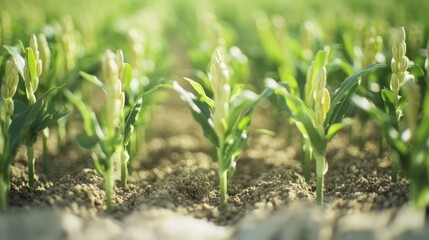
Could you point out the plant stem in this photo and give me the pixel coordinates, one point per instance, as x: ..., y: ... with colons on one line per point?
x: 108, y: 186
x: 5, y: 160
x: 320, y: 172
x: 395, y: 165
x: 31, y: 160
x: 223, y: 184
x: 307, y: 160
x: 363, y: 135
x: 124, y: 167
x: 4, y: 191
x: 319, y: 189
x: 61, y: 133
x: 134, y: 146
x: 223, y: 175
x: 45, y: 136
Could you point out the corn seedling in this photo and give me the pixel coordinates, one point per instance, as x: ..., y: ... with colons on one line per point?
x: 108, y: 133
x: 393, y: 101
x: 408, y: 139
x: 224, y: 118
x: 36, y: 63
x: 20, y: 122
x: 317, y: 116
x: 147, y: 56
x: 8, y: 90
x: 167, y: 38
x: 279, y: 47
x: 45, y: 57
x: 363, y: 50
x: 402, y: 122
x: 32, y: 69
x: 290, y: 57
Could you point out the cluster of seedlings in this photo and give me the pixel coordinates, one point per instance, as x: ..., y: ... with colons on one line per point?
x: 50, y: 80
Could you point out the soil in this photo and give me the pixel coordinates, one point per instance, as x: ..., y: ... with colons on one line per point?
x: 176, y: 171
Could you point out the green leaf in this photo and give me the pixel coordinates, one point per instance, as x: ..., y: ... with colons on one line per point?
x: 401, y: 103
x: 196, y: 86
x: 238, y: 103
x: 151, y: 90
x: 31, y: 63
x: 21, y: 124
x: 234, y: 145
x: 30, y: 120
x: 241, y: 106
x: 87, y: 142
x: 349, y: 46
x: 389, y: 100
x: 205, y: 83
x: 131, y: 119
x: 394, y: 140
x: 422, y: 133
x: 201, y: 112
x: 268, y: 39
x: 416, y: 70
x: 364, y: 104
x: 303, y: 116
x: 247, y: 106
x: 287, y: 74
x: 386, y: 122
x: 342, y: 97
x: 345, y: 66
x: 20, y: 61
x: 94, y: 80
x: 318, y: 62
x: 90, y: 122
x: 49, y: 115
x: 200, y: 90
x: 334, y: 129
x: 128, y: 76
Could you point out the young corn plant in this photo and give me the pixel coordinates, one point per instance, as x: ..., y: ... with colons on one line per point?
x: 45, y: 57
x: 225, y: 117
x: 393, y: 100
x: 20, y: 123
x: 8, y: 90
x: 31, y: 67
x: 67, y: 58
x: 363, y: 51
x: 108, y: 133
x: 403, y: 121
x: 147, y: 54
x: 317, y: 115
x: 407, y: 140
x: 32, y: 71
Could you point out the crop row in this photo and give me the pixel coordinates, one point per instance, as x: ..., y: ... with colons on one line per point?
x: 318, y: 81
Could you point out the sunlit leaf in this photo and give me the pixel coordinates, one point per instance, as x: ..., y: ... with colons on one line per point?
x: 341, y: 100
